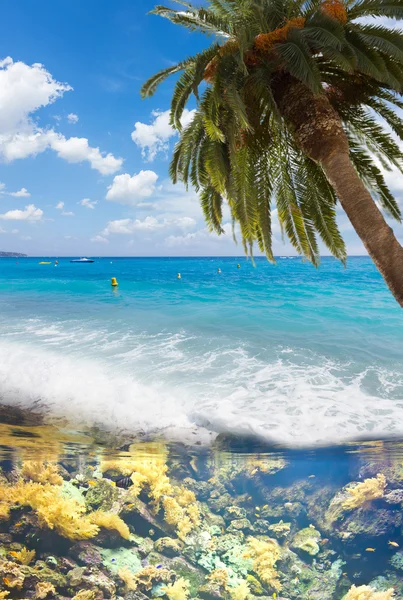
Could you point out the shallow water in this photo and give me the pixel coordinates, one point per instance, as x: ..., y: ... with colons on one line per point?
x: 195, y: 520
x: 292, y: 354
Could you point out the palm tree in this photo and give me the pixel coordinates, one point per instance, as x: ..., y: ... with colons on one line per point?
x: 295, y: 102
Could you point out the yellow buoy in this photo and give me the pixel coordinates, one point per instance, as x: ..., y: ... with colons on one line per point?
x: 114, y: 283
x: 178, y: 276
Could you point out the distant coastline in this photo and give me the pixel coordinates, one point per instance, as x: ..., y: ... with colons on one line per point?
x: 12, y: 255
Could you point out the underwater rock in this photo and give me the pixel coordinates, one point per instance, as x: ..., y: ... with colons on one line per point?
x: 101, y: 496
x: 86, y: 553
x: 168, y: 546
x: 220, y: 503
x: 397, y: 560
x: 392, y: 469
x: 240, y: 525
x: 193, y: 574
x: 42, y: 572
x: 115, y: 559
x: 144, y: 545
x: 307, y: 540
x: 261, y: 526
x: 202, y: 489
x: 234, y: 512
x: 394, y: 497
x: 142, y: 519
x: 91, y: 578
x: 210, y: 591
x: 369, y: 522
x: 309, y: 582
x: 66, y: 564
x: 255, y: 586
x: 227, y: 542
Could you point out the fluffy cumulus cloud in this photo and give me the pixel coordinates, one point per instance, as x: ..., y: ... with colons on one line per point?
x: 60, y: 205
x: 23, y: 90
x: 30, y: 213
x: 131, y: 190
x: 22, y: 193
x: 88, y: 203
x: 149, y: 224
x: 154, y: 138
x: 72, y: 118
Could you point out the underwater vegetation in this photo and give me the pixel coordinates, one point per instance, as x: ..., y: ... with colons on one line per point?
x: 154, y: 522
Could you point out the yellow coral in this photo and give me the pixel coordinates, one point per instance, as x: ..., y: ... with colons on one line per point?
x: 143, y: 578
x: 147, y: 469
x: 65, y: 515
x: 24, y: 556
x: 365, y: 592
x: 13, y: 575
x: 4, y: 595
x: 218, y: 577
x: 129, y: 579
x: 265, y: 553
x: 110, y: 521
x: 4, y: 511
x: 41, y: 472
x: 178, y: 590
x: 43, y: 589
x: 84, y: 595
x: 369, y: 489
x: 241, y: 592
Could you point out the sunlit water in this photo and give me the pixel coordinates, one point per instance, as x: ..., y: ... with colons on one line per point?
x: 292, y: 354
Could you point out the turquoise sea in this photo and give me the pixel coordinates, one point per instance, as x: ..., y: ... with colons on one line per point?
x: 289, y: 353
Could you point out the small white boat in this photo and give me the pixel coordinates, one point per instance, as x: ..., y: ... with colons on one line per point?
x: 82, y: 260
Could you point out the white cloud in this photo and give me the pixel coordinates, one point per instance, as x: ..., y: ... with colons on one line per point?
x: 130, y: 226
x: 67, y: 214
x: 155, y: 137
x: 200, y: 237
x: 30, y: 213
x: 15, y: 231
x: 76, y: 150
x: 2, y: 230
x: 99, y: 240
x: 23, y: 90
x: 22, y: 193
x: 2, y: 187
x: 72, y: 118
x: 60, y: 206
x: 130, y: 190
x: 26, y: 238
x: 88, y: 203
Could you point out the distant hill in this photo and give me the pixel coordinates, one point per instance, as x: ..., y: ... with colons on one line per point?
x: 12, y: 255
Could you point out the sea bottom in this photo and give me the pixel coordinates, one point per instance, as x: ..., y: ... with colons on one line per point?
x: 88, y: 516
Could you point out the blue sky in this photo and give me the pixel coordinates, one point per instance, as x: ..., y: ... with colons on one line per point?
x: 83, y: 160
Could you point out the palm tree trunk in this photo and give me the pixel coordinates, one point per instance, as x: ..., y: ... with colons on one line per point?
x: 366, y: 218
x: 319, y: 132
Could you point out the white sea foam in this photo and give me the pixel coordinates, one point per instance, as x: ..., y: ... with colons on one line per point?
x: 172, y: 385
